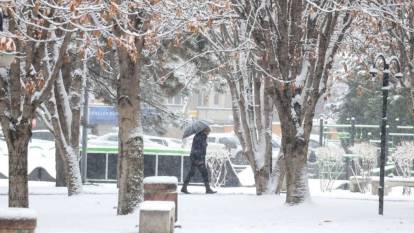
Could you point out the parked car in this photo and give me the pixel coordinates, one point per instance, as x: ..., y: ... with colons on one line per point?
x: 231, y: 143
x: 46, y: 135
x: 168, y: 142
x: 111, y: 139
x: 43, y: 134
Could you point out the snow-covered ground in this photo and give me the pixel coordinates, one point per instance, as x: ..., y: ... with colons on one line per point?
x: 235, y: 210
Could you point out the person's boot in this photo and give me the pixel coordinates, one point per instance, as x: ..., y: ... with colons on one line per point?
x: 209, y: 190
x: 184, y: 189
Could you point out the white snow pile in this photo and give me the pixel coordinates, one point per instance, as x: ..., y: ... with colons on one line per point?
x: 236, y: 210
x: 161, y: 180
x: 17, y: 213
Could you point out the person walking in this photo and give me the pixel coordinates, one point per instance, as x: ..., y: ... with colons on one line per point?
x: 198, y: 161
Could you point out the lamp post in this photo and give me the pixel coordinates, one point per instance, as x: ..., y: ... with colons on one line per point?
x: 385, y: 89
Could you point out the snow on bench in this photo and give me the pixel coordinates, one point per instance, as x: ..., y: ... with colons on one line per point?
x: 390, y: 182
x: 17, y: 220
x: 359, y: 183
x: 161, y: 188
x: 157, y: 217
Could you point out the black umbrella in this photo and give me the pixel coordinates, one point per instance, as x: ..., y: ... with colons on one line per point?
x: 195, y: 127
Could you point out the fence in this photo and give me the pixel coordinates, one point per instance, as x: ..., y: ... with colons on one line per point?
x: 359, y: 132
x: 102, y: 163
x: 349, y: 134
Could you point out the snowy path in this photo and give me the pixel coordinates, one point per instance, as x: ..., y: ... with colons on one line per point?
x: 266, y: 214
x: 232, y: 211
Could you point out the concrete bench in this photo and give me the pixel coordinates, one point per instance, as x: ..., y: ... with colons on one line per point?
x: 358, y: 183
x: 390, y: 182
x: 161, y: 188
x: 156, y: 217
x: 17, y: 220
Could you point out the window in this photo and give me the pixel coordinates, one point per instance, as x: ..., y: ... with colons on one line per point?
x: 113, y: 138
x: 43, y: 135
x: 200, y: 99
x: 159, y: 141
x: 211, y: 139
x: 178, y: 99
x: 216, y: 99
x: 170, y: 100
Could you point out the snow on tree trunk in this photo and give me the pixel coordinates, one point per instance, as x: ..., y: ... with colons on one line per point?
x: 73, y: 178
x: 131, y: 150
x: 61, y: 175
x: 253, y: 128
x: 279, y: 173
x: 69, y: 157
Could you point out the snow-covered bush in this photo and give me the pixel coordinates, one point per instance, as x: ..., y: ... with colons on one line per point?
x: 404, y: 160
x: 404, y: 157
x: 365, y: 160
x: 330, y: 163
x: 216, y: 164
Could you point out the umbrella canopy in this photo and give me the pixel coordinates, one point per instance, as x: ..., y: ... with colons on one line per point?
x: 195, y: 127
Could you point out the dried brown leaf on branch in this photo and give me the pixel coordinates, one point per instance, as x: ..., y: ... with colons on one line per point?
x: 74, y: 5
x: 30, y: 88
x: 113, y: 9
x: 100, y: 55
x: 192, y: 27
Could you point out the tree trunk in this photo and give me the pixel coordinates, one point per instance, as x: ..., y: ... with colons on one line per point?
x: 68, y: 156
x: 60, y: 168
x: 261, y: 178
x: 73, y: 178
x: 18, y: 178
x: 131, y: 141
x: 295, y: 151
x: 280, y: 171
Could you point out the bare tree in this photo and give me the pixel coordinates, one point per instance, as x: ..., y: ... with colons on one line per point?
x: 298, y: 41
x: 30, y: 81
x: 136, y: 30
x: 250, y: 92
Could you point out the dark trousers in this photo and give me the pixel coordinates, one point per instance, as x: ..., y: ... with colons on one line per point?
x: 201, y: 166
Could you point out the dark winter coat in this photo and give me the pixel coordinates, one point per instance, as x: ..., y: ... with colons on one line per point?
x: 198, y: 149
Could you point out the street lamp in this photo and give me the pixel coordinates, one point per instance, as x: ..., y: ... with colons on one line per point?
x: 385, y: 88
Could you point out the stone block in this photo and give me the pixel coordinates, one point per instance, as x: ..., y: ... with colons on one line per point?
x: 156, y: 217
x: 161, y: 188
x: 17, y: 220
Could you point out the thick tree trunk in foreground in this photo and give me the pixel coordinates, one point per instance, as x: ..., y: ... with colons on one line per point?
x: 296, y: 174
x: 131, y: 150
x: 18, y: 179
x: 295, y: 149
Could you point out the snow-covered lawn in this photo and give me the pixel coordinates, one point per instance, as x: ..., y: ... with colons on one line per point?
x: 233, y: 210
